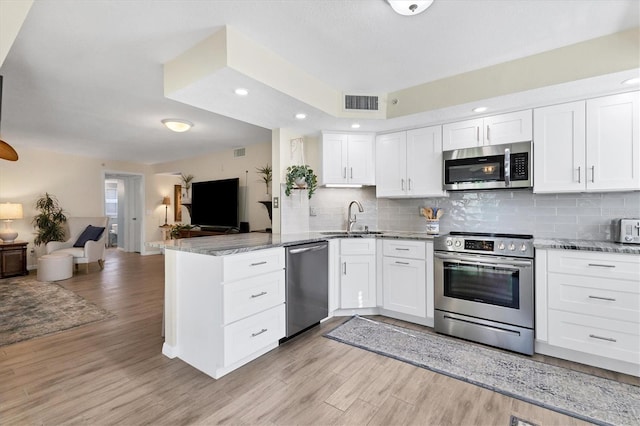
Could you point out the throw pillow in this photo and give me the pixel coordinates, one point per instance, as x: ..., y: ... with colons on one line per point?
x: 91, y: 233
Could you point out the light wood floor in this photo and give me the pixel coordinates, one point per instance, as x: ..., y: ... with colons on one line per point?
x: 113, y: 372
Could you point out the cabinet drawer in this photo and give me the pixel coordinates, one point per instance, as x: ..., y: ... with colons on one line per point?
x: 595, y: 264
x: 251, y: 334
x: 253, y: 263
x: 606, y: 298
x: 252, y: 295
x: 351, y: 246
x: 406, y: 249
x: 608, y: 338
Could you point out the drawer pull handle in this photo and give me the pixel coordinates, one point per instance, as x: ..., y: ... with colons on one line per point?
x: 601, y: 265
x: 610, y: 299
x: 402, y: 249
x: 264, y: 330
x: 608, y: 339
x: 253, y: 296
x: 259, y: 263
x: 401, y: 263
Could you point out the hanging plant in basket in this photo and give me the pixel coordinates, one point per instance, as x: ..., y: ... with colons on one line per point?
x: 301, y: 177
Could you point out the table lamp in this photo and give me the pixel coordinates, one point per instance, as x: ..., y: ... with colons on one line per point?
x: 9, y: 212
x: 166, y: 201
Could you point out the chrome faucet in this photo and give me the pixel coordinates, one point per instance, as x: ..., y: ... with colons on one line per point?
x: 351, y: 220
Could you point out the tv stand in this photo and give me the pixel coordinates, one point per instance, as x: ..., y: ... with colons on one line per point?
x: 191, y: 233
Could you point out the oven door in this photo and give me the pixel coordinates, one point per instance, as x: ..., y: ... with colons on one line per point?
x: 486, y: 287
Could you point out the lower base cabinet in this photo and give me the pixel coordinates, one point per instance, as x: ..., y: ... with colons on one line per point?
x: 404, y: 286
x: 357, y: 273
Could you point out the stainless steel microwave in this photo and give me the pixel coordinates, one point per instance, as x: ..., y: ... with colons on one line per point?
x: 488, y: 167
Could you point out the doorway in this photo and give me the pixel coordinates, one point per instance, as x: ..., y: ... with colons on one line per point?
x: 123, y: 201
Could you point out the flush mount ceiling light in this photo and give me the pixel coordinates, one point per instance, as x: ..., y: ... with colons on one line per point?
x: 241, y: 91
x: 635, y: 80
x: 409, y: 8
x: 177, y: 125
x: 355, y: 126
x: 301, y: 116
x: 479, y: 109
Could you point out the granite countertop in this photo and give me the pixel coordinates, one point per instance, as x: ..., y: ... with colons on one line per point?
x: 222, y: 245
x: 586, y: 245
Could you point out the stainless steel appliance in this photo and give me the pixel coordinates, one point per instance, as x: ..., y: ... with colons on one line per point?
x: 628, y: 231
x: 484, y: 288
x: 307, y: 285
x: 488, y: 167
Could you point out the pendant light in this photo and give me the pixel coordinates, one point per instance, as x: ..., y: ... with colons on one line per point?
x: 6, y: 151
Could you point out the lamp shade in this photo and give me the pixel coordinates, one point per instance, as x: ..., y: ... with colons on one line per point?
x: 10, y: 211
x: 166, y: 201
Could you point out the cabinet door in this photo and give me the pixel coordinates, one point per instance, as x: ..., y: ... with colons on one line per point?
x: 508, y: 128
x: 462, y: 134
x: 360, y: 167
x: 391, y: 165
x: 357, y: 282
x: 334, y: 158
x: 613, y: 144
x: 559, y: 148
x: 424, y: 162
x: 404, y: 286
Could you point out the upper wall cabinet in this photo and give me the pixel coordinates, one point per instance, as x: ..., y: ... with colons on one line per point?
x: 409, y: 164
x: 590, y: 145
x: 347, y: 158
x: 494, y: 130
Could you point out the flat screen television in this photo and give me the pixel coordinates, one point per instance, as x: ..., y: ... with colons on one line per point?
x: 215, y: 203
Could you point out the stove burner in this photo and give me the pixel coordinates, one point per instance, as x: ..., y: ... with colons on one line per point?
x: 490, y: 234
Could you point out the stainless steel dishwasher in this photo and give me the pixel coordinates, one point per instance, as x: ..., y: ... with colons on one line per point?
x: 307, y: 285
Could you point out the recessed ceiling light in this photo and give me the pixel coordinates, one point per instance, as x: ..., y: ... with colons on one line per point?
x: 355, y: 126
x: 479, y: 109
x: 634, y: 80
x: 177, y: 124
x: 301, y: 116
x: 241, y: 91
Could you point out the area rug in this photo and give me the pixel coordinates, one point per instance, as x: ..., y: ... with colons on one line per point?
x: 30, y: 308
x: 580, y: 395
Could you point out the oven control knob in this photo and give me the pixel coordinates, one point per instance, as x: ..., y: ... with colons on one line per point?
x: 523, y: 247
x: 501, y: 246
x: 512, y: 246
x: 449, y: 243
x: 458, y: 243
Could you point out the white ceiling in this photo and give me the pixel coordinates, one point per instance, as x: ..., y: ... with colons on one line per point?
x: 87, y: 76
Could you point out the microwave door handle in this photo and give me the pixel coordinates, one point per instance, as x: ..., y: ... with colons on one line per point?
x: 507, y: 167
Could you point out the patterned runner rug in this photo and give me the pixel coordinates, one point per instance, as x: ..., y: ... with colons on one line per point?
x: 30, y: 308
x: 577, y: 394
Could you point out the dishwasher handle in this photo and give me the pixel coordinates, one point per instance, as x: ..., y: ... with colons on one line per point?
x: 306, y: 249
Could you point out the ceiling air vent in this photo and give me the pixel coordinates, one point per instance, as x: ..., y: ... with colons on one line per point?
x: 238, y: 152
x: 360, y: 103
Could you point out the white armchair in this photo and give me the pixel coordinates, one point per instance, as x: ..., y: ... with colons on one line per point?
x: 92, y: 251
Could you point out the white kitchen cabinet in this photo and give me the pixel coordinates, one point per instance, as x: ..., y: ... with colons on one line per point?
x: 588, y: 304
x: 404, y: 280
x: 224, y: 311
x: 493, y: 130
x: 357, y: 273
x: 591, y: 145
x: 347, y: 158
x: 409, y: 164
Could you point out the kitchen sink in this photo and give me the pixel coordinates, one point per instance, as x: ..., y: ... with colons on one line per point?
x: 352, y: 233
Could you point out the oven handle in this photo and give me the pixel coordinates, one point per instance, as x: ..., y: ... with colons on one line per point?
x: 474, y: 262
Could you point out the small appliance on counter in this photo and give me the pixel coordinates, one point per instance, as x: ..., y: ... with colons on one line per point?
x: 628, y: 231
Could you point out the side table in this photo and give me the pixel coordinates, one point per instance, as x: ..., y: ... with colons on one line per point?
x: 13, y: 259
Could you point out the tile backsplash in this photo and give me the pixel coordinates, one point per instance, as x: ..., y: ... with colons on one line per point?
x: 589, y: 216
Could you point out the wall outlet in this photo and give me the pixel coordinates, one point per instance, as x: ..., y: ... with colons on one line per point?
x: 276, y: 202
x: 420, y: 211
x: 312, y: 211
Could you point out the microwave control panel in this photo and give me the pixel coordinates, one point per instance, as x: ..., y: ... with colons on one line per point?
x: 520, y: 166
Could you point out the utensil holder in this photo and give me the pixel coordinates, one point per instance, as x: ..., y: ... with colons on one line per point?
x: 433, y: 226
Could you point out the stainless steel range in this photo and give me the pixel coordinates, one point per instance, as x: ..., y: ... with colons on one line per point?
x: 484, y: 288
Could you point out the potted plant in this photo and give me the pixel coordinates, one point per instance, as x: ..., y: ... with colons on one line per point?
x: 49, y: 222
x: 301, y: 177
x: 174, y: 230
x: 186, y: 183
x: 267, y: 175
